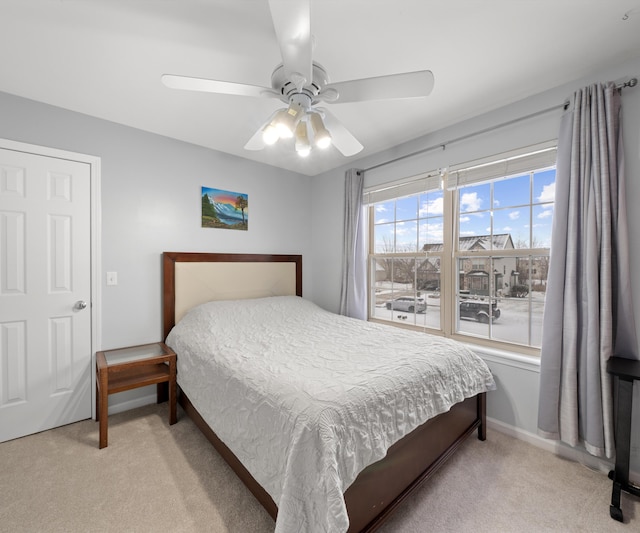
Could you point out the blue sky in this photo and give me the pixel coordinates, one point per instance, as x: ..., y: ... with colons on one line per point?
x: 522, y: 206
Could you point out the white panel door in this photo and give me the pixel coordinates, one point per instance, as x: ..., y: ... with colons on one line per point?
x: 45, y: 293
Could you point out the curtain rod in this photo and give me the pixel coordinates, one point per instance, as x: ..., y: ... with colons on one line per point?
x: 631, y: 83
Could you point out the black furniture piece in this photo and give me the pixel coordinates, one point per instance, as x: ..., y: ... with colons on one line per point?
x: 624, y: 372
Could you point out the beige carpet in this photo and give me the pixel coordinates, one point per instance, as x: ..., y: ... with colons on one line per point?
x: 155, y: 477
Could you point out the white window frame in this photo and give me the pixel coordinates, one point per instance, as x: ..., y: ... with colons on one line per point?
x: 511, y: 163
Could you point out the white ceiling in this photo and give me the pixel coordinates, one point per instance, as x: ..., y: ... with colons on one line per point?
x: 105, y: 57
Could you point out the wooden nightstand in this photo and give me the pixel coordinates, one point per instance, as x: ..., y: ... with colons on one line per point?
x: 132, y: 367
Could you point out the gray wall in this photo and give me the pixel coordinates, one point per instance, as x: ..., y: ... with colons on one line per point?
x: 150, y: 193
x: 515, y: 403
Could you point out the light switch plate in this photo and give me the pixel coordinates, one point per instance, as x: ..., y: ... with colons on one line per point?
x: 112, y: 278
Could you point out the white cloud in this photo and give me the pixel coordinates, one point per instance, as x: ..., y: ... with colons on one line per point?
x: 381, y: 208
x: 434, y: 207
x: 431, y: 232
x: 432, y: 227
x: 546, y: 213
x: 514, y: 215
x: 548, y: 193
x: 470, y: 202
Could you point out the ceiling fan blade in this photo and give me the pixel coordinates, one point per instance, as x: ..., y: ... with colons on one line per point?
x: 341, y: 137
x: 292, y: 22
x: 256, y: 142
x: 406, y: 85
x: 214, y: 86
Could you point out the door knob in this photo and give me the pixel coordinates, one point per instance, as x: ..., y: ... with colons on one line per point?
x: 81, y: 304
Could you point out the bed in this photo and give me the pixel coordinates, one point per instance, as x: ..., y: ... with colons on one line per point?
x: 328, y: 436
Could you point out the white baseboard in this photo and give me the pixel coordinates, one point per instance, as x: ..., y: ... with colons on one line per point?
x: 558, y: 448
x: 553, y: 446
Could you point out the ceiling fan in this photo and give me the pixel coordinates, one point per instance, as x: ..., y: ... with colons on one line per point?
x: 301, y: 83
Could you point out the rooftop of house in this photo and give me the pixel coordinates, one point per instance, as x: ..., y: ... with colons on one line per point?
x: 500, y: 241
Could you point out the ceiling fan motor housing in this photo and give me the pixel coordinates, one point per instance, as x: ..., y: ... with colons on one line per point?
x: 286, y: 87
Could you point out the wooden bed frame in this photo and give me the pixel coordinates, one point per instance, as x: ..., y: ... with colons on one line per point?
x: 380, y: 487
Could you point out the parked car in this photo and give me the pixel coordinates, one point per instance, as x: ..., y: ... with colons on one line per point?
x: 479, y: 310
x: 408, y: 304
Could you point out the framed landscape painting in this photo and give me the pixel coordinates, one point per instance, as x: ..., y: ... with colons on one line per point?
x: 224, y: 209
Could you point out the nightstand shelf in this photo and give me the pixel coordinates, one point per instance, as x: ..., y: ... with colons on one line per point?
x: 132, y: 367
x: 137, y: 377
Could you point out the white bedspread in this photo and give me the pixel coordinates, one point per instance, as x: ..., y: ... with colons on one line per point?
x: 306, y: 399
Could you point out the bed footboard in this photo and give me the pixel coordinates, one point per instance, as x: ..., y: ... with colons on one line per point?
x: 410, y: 462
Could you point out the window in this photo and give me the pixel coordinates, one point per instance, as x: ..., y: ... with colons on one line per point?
x: 468, y: 257
x: 405, y: 221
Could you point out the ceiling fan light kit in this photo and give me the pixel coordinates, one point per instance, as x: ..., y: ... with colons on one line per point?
x: 297, y: 120
x: 286, y: 120
x: 270, y: 134
x: 301, y: 83
x: 321, y: 136
x: 303, y: 146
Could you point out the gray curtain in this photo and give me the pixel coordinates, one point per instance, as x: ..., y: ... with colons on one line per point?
x: 353, y: 295
x: 588, y: 315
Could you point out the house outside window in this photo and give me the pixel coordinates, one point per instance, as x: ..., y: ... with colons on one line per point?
x: 468, y: 259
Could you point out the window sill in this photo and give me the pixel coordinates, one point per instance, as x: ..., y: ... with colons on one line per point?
x: 525, y: 362
x: 530, y: 363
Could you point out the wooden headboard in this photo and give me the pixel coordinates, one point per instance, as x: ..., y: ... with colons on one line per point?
x: 190, y: 279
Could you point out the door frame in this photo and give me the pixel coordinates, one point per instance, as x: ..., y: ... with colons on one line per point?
x: 96, y: 259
